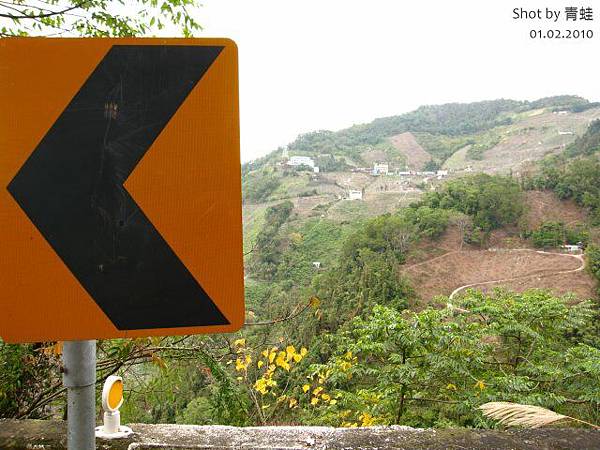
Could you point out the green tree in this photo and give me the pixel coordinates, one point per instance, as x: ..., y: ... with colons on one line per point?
x: 492, y: 201
x: 549, y: 235
x: 96, y: 18
x: 431, y: 222
x: 267, y: 251
x: 434, y: 367
x: 258, y: 186
x: 384, y: 234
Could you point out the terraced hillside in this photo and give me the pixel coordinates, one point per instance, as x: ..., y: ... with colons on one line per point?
x: 535, y: 135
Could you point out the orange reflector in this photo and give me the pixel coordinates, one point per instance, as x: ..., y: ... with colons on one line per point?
x: 115, y: 395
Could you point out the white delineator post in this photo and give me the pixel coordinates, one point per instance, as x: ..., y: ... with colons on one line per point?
x: 112, y: 399
x: 79, y: 377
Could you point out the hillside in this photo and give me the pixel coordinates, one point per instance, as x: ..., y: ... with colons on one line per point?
x: 533, y: 136
x: 442, y: 266
x: 494, y: 137
x: 506, y: 138
x: 444, y: 129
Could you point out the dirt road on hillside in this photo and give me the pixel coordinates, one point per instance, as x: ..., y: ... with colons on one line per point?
x: 507, y: 280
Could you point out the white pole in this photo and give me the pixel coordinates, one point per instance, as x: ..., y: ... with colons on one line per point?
x: 79, y: 377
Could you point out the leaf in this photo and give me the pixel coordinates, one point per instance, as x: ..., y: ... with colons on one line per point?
x: 58, y: 348
x: 54, y: 349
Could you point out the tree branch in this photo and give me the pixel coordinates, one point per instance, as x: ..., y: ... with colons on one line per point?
x: 44, y: 15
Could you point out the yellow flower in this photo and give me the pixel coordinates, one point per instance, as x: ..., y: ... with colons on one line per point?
x: 239, y: 365
x: 242, y: 364
x: 261, y: 386
x: 260, y: 364
x: 303, y: 352
x: 480, y: 384
x: 281, y: 361
x: 239, y: 342
x: 317, y: 390
x: 367, y: 420
x: 293, y: 402
x: 333, y: 402
x: 451, y: 387
x: 314, y: 401
x: 297, y: 357
x: 344, y: 365
x: 326, y: 397
x: 306, y: 387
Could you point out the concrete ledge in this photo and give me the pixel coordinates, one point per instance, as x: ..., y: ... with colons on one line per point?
x: 50, y: 435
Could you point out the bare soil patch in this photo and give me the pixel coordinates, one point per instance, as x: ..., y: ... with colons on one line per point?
x: 416, y: 156
x: 442, y: 275
x: 545, y: 206
x: 372, y: 156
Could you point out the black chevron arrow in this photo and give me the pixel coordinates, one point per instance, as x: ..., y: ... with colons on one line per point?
x: 71, y: 188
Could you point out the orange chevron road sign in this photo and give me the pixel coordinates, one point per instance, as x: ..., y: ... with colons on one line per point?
x: 120, y: 191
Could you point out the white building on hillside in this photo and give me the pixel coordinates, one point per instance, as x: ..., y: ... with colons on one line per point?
x: 301, y: 161
x: 355, y: 195
x: 442, y: 173
x: 380, y: 169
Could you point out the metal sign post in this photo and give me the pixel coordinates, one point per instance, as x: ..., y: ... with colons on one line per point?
x: 79, y: 377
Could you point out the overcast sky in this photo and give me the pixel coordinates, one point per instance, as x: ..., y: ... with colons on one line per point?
x: 327, y: 64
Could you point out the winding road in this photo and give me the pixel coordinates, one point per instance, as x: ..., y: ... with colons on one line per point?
x: 522, y: 277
